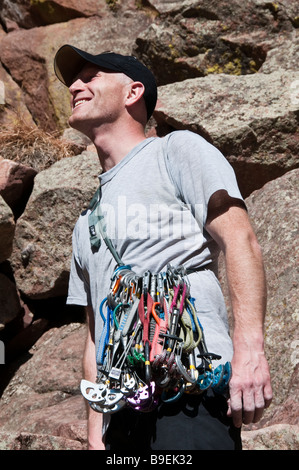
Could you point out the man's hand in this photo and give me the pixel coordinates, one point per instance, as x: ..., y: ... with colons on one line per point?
x: 250, y: 386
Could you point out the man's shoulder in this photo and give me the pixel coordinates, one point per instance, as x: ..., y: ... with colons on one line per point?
x: 186, y: 143
x: 186, y: 137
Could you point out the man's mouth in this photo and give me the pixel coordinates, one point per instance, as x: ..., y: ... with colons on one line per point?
x: 79, y: 102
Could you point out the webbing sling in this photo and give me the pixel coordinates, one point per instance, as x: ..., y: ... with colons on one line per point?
x: 97, y: 229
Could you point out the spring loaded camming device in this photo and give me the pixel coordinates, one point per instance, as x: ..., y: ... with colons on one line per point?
x: 144, y: 398
x: 175, y: 394
x: 120, y: 337
x: 161, y: 318
x: 175, y: 314
x: 144, y: 310
x: 223, y: 374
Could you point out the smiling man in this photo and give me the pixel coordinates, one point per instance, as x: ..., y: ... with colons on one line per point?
x: 112, y: 98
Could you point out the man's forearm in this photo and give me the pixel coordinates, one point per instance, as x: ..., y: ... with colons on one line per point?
x: 247, y: 286
x: 250, y: 389
x: 95, y: 419
x: 250, y: 386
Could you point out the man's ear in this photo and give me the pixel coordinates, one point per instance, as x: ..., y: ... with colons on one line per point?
x: 135, y: 103
x: 135, y: 93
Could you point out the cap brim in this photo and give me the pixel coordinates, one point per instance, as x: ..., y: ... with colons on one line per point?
x: 68, y: 62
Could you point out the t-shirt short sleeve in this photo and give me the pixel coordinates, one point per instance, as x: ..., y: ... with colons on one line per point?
x: 79, y: 288
x: 198, y: 170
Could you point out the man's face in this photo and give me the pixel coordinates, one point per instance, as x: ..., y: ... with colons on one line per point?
x: 97, y: 97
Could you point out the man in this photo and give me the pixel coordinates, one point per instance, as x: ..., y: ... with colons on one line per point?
x: 112, y: 97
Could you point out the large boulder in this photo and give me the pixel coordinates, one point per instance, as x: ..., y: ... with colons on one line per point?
x: 196, y: 38
x: 16, y: 183
x: 274, y: 214
x: 276, y: 437
x: 35, y: 441
x: 13, y: 108
x: 43, y: 245
x: 7, y: 230
x: 283, y: 56
x: 10, y: 306
x: 42, y: 408
x: 252, y: 119
x: 244, y: 15
x: 42, y: 12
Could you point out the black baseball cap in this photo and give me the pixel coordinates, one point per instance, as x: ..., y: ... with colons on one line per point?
x: 69, y: 60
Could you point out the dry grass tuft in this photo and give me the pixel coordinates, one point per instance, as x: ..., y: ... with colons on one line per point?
x: 33, y: 146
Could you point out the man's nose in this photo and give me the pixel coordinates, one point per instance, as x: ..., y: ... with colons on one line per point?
x: 77, y: 85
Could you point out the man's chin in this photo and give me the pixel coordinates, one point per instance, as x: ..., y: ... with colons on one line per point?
x: 76, y: 124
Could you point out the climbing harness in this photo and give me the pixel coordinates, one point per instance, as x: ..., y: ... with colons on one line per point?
x: 150, y: 340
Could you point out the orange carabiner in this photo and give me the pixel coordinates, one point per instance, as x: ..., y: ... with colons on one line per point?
x: 154, y: 313
x: 115, y: 288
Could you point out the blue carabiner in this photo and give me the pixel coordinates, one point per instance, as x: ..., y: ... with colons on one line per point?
x: 175, y: 397
x: 104, y: 338
x: 119, y: 268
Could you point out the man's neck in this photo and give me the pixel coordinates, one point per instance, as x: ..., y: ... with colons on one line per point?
x: 112, y: 147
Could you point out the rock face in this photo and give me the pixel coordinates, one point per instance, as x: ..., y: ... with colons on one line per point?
x: 16, y: 184
x: 53, y: 414
x: 225, y: 70
x: 274, y: 212
x: 260, y: 145
x: 7, y: 230
x: 42, y: 248
x: 12, y: 101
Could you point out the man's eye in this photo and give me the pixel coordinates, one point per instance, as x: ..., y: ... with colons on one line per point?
x: 93, y: 77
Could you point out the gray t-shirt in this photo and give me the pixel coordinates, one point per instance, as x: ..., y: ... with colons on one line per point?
x: 155, y: 206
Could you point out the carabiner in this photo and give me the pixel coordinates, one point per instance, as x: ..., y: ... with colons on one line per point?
x: 129, y: 384
x: 182, y: 370
x: 119, y: 268
x: 175, y: 397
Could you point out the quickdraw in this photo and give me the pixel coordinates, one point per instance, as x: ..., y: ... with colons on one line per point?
x: 149, y: 344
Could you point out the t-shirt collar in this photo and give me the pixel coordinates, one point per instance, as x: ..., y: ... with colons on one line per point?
x: 108, y: 175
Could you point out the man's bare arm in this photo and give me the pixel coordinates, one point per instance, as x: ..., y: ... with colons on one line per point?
x: 90, y: 372
x: 250, y: 386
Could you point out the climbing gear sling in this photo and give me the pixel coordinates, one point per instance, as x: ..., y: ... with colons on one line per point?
x: 151, y: 338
